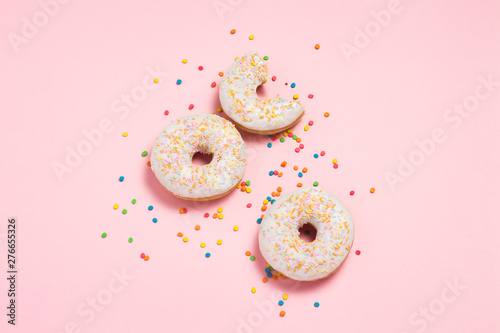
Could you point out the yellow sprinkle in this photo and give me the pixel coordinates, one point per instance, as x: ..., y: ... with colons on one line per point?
x: 203, y: 245
x: 251, y: 37
x: 306, y: 128
x: 285, y: 297
x: 156, y: 80
x: 334, y: 160
x: 115, y: 206
x: 184, y: 61
x: 220, y: 216
x: 219, y: 242
x: 289, y: 130
x: 185, y: 239
x: 219, y: 110
x: 219, y: 210
x: 125, y: 134
x: 265, y: 202
x: 238, y: 186
x: 285, y: 133
x: 235, y: 228
x: 295, y: 96
x: 249, y: 190
x: 236, y: 58
x: 253, y: 290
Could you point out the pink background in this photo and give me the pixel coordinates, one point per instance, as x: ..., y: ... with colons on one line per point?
x: 438, y: 227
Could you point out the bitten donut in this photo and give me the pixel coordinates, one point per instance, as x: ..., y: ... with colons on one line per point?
x: 288, y: 254
x: 239, y: 99
x: 171, y: 157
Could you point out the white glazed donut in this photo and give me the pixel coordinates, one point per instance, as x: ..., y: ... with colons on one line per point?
x: 171, y: 157
x: 288, y: 254
x: 239, y: 99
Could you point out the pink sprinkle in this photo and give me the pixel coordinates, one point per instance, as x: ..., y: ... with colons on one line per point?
x: 310, y: 96
x: 322, y: 153
x: 142, y: 255
x: 297, y: 150
x: 273, y: 78
x: 351, y: 193
x: 185, y: 210
x: 358, y: 252
x: 191, y: 106
x: 166, y: 113
x: 200, y: 68
x: 311, y: 123
x: 275, y: 172
x: 213, y: 84
x: 249, y: 205
x: 290, y: 135
x: 335, y: 166
x: 206, y: 215
x: 301, y: 146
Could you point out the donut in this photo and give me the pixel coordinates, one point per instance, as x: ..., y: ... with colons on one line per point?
x: 171, y: 157
x: 240, y: 102
x: 288, y: 254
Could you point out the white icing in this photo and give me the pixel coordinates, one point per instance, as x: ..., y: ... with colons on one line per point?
x: 288, y: 254
x: 239, y: 99
x: 171, y: 157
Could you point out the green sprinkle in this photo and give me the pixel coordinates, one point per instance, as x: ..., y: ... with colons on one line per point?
x: 247, y: 182
x: 104, y: 235
x: 271, y: 268
x: 315, y: 183
x: 134, y: 201
x: 130, y: 240
x: 266, y: 57
x: 124, y: 211
x: 282, y: 139
x: 144, y: 153
x: 294, y: 137
x: 252, y: 258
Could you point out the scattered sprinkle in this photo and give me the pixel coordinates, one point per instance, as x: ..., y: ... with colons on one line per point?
x: 248, y: 253
x: 179, y: 81
x: 150, y: 207
x: 184, y: 61
x: 235, y: 228
x: 191, y: 106
x: 316, y: 304
x: 285, y: 297
x: 197, y: 227
x: 253, y: 290
x: 219, y: 242
x: 202, y: 245
x: 266, y: 58
x: 104, y: 235
x: 121, y: 178
x: 295, y: 96
x: 134, y: 201
x: 146, y: 258
x: 185, y: 239
x: 166, y: 112
x: 125, y: 134
x: 221, y: 74
x: 206, y: 215
x: 372, y: 190
x: 155, y: 80
x: 213, y: 84
x: 155, y: 219
x: 124, y: 211
x: 351, y: 193
x: 130, y: 240
x: 273, y: 78
x: 179, y: 234
x: 358, y: 252
x: 316, y: 46
x: 144, y: 153
x: 293, y: 85
x: 115, y: 206
x: 233, y: 31
x: 315, y: 184
x: 282, y: 313
x: 252, y: 258
x: 326, y: 115
x: 250, y: 37
x: 207, y: 255
x: 280, y: 303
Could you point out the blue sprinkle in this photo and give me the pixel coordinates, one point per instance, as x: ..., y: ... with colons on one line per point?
x: 259, y: 221
x: 316, y: 304
x: 300, y: 174
x: 270, y: 136
x: 292, y: 85
x: 269, y: 275
x: 155, y: 219
x: 280, y: 302
x: 269, y: 145
x: 272, y: 201
x: 316, y: 155
x: 271, y: 173
x: 179, y: 81
x: 268, y: 198
x: 150, y: 208
x: 207, y: 255
x: 121, y: 178
x: 267, y: 269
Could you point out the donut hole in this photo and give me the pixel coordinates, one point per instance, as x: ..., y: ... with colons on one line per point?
x: 263, y: 92
x: 307, y: 233
x: 200, y: 158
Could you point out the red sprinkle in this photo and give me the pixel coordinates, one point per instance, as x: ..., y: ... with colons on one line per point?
x: 311, y: 123
x: 290, y: 135
x: 249, y: 205
x: 275, y: 172
x: 273, y: 138
x: 322, y: 153
x: 358, y: 252
x: 351, y: 193
x: 142, y: 255
x: 191, y: 106
x: 206, y: 215
x: 310, y: 95
x: 297, y: 150
x: 335, y: 166
x: 200, y: 68
x: 166, y: 113
x: 213, y: 84
x: 301, y: 146
x: 273, y: 78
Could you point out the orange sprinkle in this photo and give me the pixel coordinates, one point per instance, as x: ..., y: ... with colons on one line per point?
x: 264, y: 280
x: 221, y: 74
x: 149, y: 163
x: 316, y: 46
x: 327, y: 114
x: 273, y: 194
x: 215, y: 215
x: 278, y: 194
x: 282, y: 313
x: 280, y: 174
x: 282, y: 277
x: 372, y: 190
x: 197, y: 227
x: 275, y: 277
x: 283, y: 164
x: 146, y: 258
x: 298, y: 140
x: 233, y: 31
x: 295, y: 168
x: 179, y: 234
x: 304, y: 170
x: 279, y: 189
x: 264, y: 208
x: 299, y: 184
x: 248, y: 253
x: 181, y: 210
